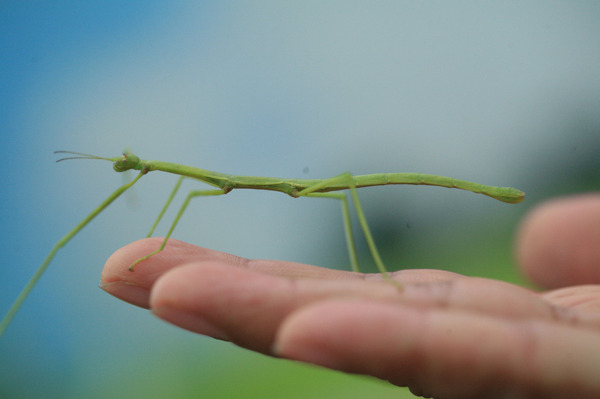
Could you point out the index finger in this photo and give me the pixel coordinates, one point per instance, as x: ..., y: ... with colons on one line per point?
x: 134, y: 287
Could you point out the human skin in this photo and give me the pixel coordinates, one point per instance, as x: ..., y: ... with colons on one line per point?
x: 444, y: 336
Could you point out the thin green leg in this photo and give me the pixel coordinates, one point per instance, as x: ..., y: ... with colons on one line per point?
x: 21, y: 298
x: 162, y: 212
x: 347, y: 178
x: 190, y: 195
x: 367, y: 232
x: 347, y: 225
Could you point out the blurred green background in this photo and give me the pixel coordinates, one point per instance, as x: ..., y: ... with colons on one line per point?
x: 504, y: 93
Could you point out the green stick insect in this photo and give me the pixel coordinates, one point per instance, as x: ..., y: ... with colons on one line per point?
x: 224, y: 183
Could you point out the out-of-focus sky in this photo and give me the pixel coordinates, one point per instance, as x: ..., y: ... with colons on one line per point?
x: 503, y: 93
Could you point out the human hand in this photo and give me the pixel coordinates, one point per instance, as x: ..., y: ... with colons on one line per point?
x: 445, y: 335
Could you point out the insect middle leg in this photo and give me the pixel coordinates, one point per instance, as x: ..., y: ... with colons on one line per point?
x: 169, y: 200
x: 191, y: 194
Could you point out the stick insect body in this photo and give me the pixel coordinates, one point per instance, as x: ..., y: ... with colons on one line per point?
x: 224, y: 183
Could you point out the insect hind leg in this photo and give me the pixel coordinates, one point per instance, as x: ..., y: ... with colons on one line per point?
x: 347, y: 225
x: 347, y: 180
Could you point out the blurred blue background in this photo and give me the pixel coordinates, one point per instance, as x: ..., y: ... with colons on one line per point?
x: 499, y: 93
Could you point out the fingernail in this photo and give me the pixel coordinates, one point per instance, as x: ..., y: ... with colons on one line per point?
x: 128, y: 292
x: 189, y: 321
x: 304, y: 352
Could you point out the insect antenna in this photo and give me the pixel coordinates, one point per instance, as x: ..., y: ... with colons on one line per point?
x: 80, y: 155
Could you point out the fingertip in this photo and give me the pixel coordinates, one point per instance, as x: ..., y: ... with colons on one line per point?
x: 308, y: 335
x: 223, y: 301
x: 558, y: 243
x: 178, y: 297
x: 128, y: 292
x: 134, y: 286
x: 351, y: 335
x: 117, y: 265
x: 118, y: 281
